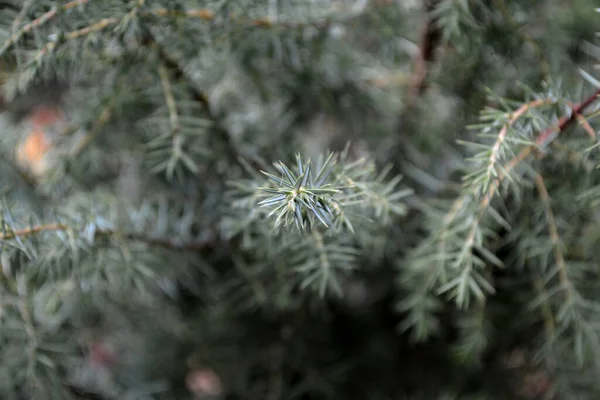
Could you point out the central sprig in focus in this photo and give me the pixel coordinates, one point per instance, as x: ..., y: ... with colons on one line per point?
x: 302, y: 196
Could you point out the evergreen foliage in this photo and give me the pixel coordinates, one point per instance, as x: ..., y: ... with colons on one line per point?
x: 324, y: 199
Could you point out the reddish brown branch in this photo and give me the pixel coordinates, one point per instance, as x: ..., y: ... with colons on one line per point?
x: 564, y: 122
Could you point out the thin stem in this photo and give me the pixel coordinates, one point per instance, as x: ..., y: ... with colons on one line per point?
x: 172, y: 65
x: 169, y: 99
x: 23, y: 307
x: 549, y: 324
x: 495, y: 155
x: 32, y: 231
x: 98, y: 123
x: 323, y: 259
x: 554, y: 237
x: 204, y: 14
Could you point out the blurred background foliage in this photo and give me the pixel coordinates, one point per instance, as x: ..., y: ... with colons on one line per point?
x: 172, y: 226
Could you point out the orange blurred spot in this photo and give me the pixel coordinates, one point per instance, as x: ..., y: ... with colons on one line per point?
x: 34, y: 147
x: 37, y: 142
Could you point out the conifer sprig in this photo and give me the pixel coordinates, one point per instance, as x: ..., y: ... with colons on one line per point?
x: 302, y: 196
x: 332, y: 202
x: 333, y: 194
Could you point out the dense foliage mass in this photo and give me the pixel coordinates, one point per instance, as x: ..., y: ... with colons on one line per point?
x: 324, y: 199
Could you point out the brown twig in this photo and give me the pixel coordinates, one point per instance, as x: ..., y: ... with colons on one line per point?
x: 564, y: 122
x: 150, y: 240
x: 32, y: 231
x: 430, y: 37
x: 201, y: 14
x: 429, y: 40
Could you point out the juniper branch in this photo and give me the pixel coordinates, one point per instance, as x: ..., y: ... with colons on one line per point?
x: 172, y: 65
x: 203, y: 14
x: 464, y: 256
x: 167, y: 243
x: 541, y: 141
x: 42, y: 19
